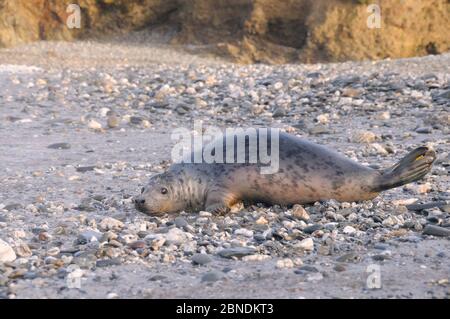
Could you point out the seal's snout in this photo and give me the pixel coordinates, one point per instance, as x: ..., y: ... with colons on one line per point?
x: 139, y: 203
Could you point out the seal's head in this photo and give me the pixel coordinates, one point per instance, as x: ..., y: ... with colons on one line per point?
x: 160, y: 196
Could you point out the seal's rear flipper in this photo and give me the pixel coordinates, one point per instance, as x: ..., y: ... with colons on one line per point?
x: 412, y: 167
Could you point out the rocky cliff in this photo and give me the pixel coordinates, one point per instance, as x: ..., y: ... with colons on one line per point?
x: 268, y: 31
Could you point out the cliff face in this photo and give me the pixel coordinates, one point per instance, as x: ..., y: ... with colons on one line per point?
x: 269, y: 31
x: 23, y: 21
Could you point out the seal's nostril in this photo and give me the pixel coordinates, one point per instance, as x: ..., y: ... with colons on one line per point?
x: 142, y: 201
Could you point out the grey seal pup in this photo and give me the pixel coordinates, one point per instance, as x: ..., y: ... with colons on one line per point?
x: 307, y: 173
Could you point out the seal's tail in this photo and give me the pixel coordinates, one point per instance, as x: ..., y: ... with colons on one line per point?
x: 412, y: 167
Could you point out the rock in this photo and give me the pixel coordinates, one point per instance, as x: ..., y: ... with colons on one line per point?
x: 256, y: 257
x: 383, y: 116
x: 306, y: 244
x: 392, y: 221
x: 445, y: 95
x: 261, y: 221
x: 364, y: 137
x: 181, y: 222
x: 155, y: 241
x: 89, y: 236
x: 201, y: 259
x: 285, y: 263
x: 419, y: 207
x: 110, y: 223
x: 424, y: 130
x: 306, y: 269
x: 339, y: 268
x: 311, y: 229
x: 350, y: 257
x: 136, y: 120
x: 112, y: 295
x: 237, y: 252
x: 323, y: 118
x: 349, y: 230
x: 23, y: 250
x: 299, y: 212
x: 423, y: 188
x: 108, y: 262
x: 436, y: 231
x: 84, y: 169
x: 7, y: 254
x: 318, y: 130
x: 176, y: 236
x: 59, y: 146
x: 12, y: 207
x: 112, y: 120
x: 138, y: 244
x: 350, y: 92
x: 279, y: 112
x: 314, y: 277
x: 94, y: 125
x: 243, y: 232
x: 212, y: 276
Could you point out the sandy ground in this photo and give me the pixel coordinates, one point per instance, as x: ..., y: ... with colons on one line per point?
x: 59, y: 92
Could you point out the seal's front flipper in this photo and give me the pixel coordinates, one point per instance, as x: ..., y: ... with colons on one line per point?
x: 219, y: 201
x: 412, y: 167
x: 217, y: 209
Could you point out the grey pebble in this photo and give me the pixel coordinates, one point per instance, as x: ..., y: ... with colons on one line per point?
x: 181, y: 222
x: 436, y: 231
x: 88, y: 236
x: 108, y: 262
x: 201, y: 259
x: 59, y: 146
x: 236, y: 252
x: 311, y: 229
x: 212, y: 276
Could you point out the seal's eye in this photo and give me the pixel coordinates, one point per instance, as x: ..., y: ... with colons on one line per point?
x: 163, y: 190
x: 142, y: 190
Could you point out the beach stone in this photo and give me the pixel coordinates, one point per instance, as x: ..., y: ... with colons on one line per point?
x: 201, y: 259
x: 59, y: 146
x: 7, y: 254
x: 110, y: 223
x: 306, y: 244
x: 436, y: 231
x: 237, y: 252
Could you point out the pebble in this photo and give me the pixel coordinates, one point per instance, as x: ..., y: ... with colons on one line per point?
x: 7, y: 254
x: 364, y: 137
x: 299, y: 212
x: 237, y: 252
x: 112, y: 120
x: 311, y: 229
x: 350, y: 257
x: 89, y: 236
x: 306, y: 244
x: 176, y: 236
x: 201, y: 259
x: 94, y: 125
x: 139, y: 244
x: 181, y: 222
x: 59, y: 146
x: 110, y: 223
x: 339, y: 268
x: 436, y: 231
x: 108, y: 262
x: 244, y: 232
x: 424, y: 130
x: 349, y: 230
x: 212, y: 276
x: 23, y: 250
x: 285, y: 263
